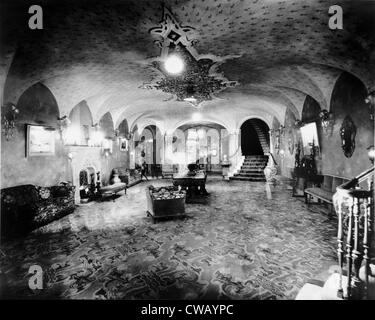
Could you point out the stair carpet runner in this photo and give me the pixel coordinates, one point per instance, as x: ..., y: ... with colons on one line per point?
x: 252, y: 169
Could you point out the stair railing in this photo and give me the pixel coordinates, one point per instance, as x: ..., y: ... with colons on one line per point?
x: 354, y: 205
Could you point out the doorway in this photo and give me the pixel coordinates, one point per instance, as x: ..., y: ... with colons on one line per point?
x: 254, y: 137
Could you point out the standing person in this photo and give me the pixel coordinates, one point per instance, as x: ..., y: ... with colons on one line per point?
x: 143, y: 170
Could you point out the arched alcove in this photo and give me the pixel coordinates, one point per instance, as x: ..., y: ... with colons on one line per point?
x: 81, y: 124
x: 37, y: 105
x: 348, y: 100
x: 145, y: 147
x: 123, y: 128
x: 202, y: 142
x: 106, y: 126
x: 310, y: 110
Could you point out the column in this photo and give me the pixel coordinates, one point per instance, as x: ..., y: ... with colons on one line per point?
x: 131, y: 154
x: 168, y: 150
x: 234, y: 150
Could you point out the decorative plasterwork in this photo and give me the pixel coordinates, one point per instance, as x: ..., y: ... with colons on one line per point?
x: 170, y: 31
x: 200, y: 79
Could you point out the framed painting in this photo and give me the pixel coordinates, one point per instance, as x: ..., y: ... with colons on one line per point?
x: 123, y: 144
x: 40, y: 140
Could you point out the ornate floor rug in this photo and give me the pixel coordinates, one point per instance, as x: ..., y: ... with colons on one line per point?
x: 238, y: 244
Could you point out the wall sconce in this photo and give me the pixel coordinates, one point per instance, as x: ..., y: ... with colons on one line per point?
x: 327, y: 121
x: 370, y: 100
x: 64, y: 123
x: 9, y: 119
x: 281, y: 130
x: 298, y: 123
x: 107, y: 147
x: 129, y: 136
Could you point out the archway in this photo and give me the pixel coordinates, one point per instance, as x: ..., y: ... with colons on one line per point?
x: 200, y: 142
x: 254, y: 137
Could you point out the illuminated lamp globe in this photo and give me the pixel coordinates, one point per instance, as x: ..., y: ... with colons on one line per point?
x: 174, y: 64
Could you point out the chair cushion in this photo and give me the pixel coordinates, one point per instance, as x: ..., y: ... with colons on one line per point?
x: 113, y: 188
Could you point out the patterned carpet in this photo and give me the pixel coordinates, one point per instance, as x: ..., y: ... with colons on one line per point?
x: 237, y: 245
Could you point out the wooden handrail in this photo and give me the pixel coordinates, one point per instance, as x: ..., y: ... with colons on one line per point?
x: 351, y: 184
x: 273, y: 158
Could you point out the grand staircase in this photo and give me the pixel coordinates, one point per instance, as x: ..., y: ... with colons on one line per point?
x: 263, y: 139
x: 252, y: 169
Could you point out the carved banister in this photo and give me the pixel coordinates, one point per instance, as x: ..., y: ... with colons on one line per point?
x: 354, y: 208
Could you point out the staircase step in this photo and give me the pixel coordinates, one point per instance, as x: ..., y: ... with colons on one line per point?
x: 253, y: 166
x: 248, y: 179
x: 256, y: 156
x: 253, y: 174
x: 254, y: 163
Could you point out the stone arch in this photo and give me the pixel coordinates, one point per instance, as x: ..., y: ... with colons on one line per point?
x: 37, y: 104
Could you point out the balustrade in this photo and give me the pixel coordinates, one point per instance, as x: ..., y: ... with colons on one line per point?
x: 355, y: 211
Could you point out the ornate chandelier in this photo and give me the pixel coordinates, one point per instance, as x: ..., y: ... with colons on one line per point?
x: 186, y: 78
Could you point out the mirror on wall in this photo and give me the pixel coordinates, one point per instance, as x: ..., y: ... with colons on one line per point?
x: 310, y: 140
x: 348, y: 131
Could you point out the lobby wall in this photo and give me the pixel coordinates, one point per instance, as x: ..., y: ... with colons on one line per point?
x: 36, y: 105
x: 348, y: 98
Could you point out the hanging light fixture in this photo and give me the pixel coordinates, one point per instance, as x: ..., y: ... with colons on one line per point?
x: 9, y: 120
x: 327, y: 121
x: 174, y: 64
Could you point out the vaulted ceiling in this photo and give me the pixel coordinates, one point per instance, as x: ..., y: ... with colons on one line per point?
x: 278, y: 50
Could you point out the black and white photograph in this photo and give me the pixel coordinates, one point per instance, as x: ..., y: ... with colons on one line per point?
x: 187, y: 150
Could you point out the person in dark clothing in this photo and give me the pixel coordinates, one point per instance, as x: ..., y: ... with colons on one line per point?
x: 143, y: 170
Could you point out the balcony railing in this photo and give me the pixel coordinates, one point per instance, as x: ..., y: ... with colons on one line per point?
x: 353, y: 204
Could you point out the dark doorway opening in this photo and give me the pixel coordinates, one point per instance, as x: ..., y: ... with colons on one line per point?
x: 254, y: 137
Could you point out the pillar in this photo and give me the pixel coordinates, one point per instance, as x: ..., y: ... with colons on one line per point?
x: 168, y: 148
x: 235, y: 152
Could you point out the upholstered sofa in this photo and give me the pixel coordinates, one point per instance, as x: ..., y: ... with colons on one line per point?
x: 129, y: 176
x: 27, y: 207
x: 165, y: 202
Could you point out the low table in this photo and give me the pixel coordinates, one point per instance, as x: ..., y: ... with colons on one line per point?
x: 112, y: 189
x: 190, y: 182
